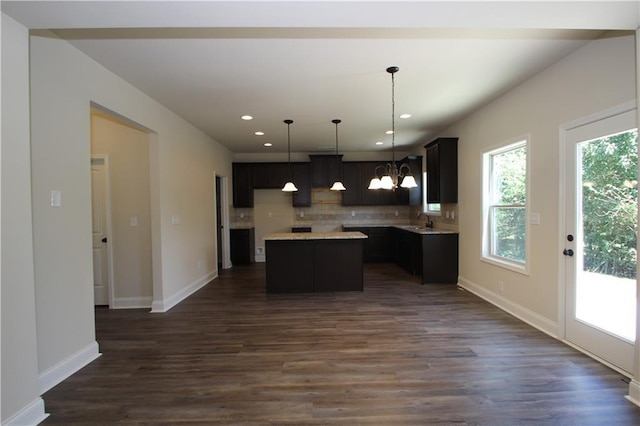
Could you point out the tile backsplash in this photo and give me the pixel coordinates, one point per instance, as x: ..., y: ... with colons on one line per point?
x: 325, y: 214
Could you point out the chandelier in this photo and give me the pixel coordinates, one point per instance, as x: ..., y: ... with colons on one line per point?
x: 390, y: 174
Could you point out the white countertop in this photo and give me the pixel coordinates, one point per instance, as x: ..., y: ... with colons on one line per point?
x: 315, y: 236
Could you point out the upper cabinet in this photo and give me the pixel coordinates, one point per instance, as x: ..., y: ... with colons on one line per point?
x: 442, y: 170
x: 325, y: 169
x: 250, y: 176
x: 302, y: 179
x: 358, y: 174
x: 242, y: 185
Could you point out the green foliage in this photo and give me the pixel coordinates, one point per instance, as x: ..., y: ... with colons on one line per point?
x: 609, y: 204
x: 509, y: 178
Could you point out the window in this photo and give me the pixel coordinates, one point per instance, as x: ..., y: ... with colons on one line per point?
x: 428, y: 208
x: 505, y: 209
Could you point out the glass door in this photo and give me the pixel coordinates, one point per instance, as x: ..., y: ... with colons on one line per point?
x: 601, y: 238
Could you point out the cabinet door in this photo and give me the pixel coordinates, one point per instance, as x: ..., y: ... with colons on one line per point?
x: 279, y: 174
x: 261, y: 176
x: 319, y: 171
x: 440, y: 259
x: 448, y: 170
x: 242, y: 185
x: 302, y: 179
x: 433, y: 173
x: 351, y: 180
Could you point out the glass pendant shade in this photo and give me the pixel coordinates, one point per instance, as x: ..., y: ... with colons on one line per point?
x: 338, y: 186
x: 409, y: 182
x: 375, y: 183
x: 386, y: 182
x: 289, y: 187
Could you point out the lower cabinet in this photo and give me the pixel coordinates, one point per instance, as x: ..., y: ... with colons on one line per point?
x: 242, y: 241
x: 306, y: 266
x: 376, y: 247
x: 439, y: 259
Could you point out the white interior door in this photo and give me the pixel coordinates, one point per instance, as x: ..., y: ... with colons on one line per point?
x: 99, y: 232
x: 601, y: 238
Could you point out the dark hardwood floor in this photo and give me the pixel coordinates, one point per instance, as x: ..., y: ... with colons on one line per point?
x: 399, y: 353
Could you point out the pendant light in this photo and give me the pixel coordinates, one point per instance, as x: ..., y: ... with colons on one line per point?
x: 392, y: 174
x: 337, y: 185
x: 289, y: 186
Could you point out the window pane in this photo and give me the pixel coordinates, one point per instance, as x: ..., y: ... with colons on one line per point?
x: 508, y: 176
x: 508, y: 233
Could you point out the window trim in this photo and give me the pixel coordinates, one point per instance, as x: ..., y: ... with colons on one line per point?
x: 486, y: 240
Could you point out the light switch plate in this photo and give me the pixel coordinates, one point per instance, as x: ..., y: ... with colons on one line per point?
x: 175, y: 219
x: 56, y: 198
x: 535, y: 218
x: 133, y: 221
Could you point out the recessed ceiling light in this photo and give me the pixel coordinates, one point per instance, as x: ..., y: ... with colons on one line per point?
x: 247, y: 117
x: 405, y: 115
x: 268, y: 144
x: 379, y: 143
x: 259, y: 133
x: 389, y: 132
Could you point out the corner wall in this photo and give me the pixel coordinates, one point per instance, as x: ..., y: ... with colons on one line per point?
x: 21, y: 403
x: 183, y: 164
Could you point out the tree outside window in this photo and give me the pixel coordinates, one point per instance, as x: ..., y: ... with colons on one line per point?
x: 505, y: 204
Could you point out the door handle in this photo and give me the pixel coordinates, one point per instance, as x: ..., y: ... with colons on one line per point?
x: 567, y: 252
x: 104, y: 240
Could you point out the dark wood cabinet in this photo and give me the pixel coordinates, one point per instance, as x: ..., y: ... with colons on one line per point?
x: 250, y: 176
x: 325, y: 169
x: 242, y: 242
x: 242, y: 184
x: 433, y: 256
x: 414, y: 195
x: 442, y: 170
x: 302, y: 179
x: 314, y: 265
x: 377, y: 247
x: 351, y: 180
x: 440, y: 259
x: 408, y: 251
x: 271, y: 175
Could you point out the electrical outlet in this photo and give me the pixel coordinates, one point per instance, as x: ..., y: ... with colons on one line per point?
x: 260, y: 250
x: 301, y: 214
x: 501, y: 286
x: 396, y: 213
x: 353, y: 213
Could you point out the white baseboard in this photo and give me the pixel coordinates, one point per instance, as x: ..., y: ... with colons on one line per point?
x: 131, y: 302
x: 533, y: 319
x: 261, y: 258
x: 160, y: 306
x: 634, y: 392
x: 32, y: 414
x: 65, y: 368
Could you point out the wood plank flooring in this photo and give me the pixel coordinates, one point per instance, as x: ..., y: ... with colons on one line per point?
x: 399, y: 353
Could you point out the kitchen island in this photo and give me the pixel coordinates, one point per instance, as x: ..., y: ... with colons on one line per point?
x: 308, y: 262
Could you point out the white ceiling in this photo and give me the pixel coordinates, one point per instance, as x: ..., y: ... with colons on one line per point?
x: 211, y: 62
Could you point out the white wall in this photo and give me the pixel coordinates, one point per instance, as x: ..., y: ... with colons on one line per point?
x: 183, y: 161
x: 128, y: 151
x: 596, y: 77
x: 20, y: 392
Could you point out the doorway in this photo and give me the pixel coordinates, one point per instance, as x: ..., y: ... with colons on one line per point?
x: 600, y: 237
x: 100, y: 215
x: 219, y: 225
